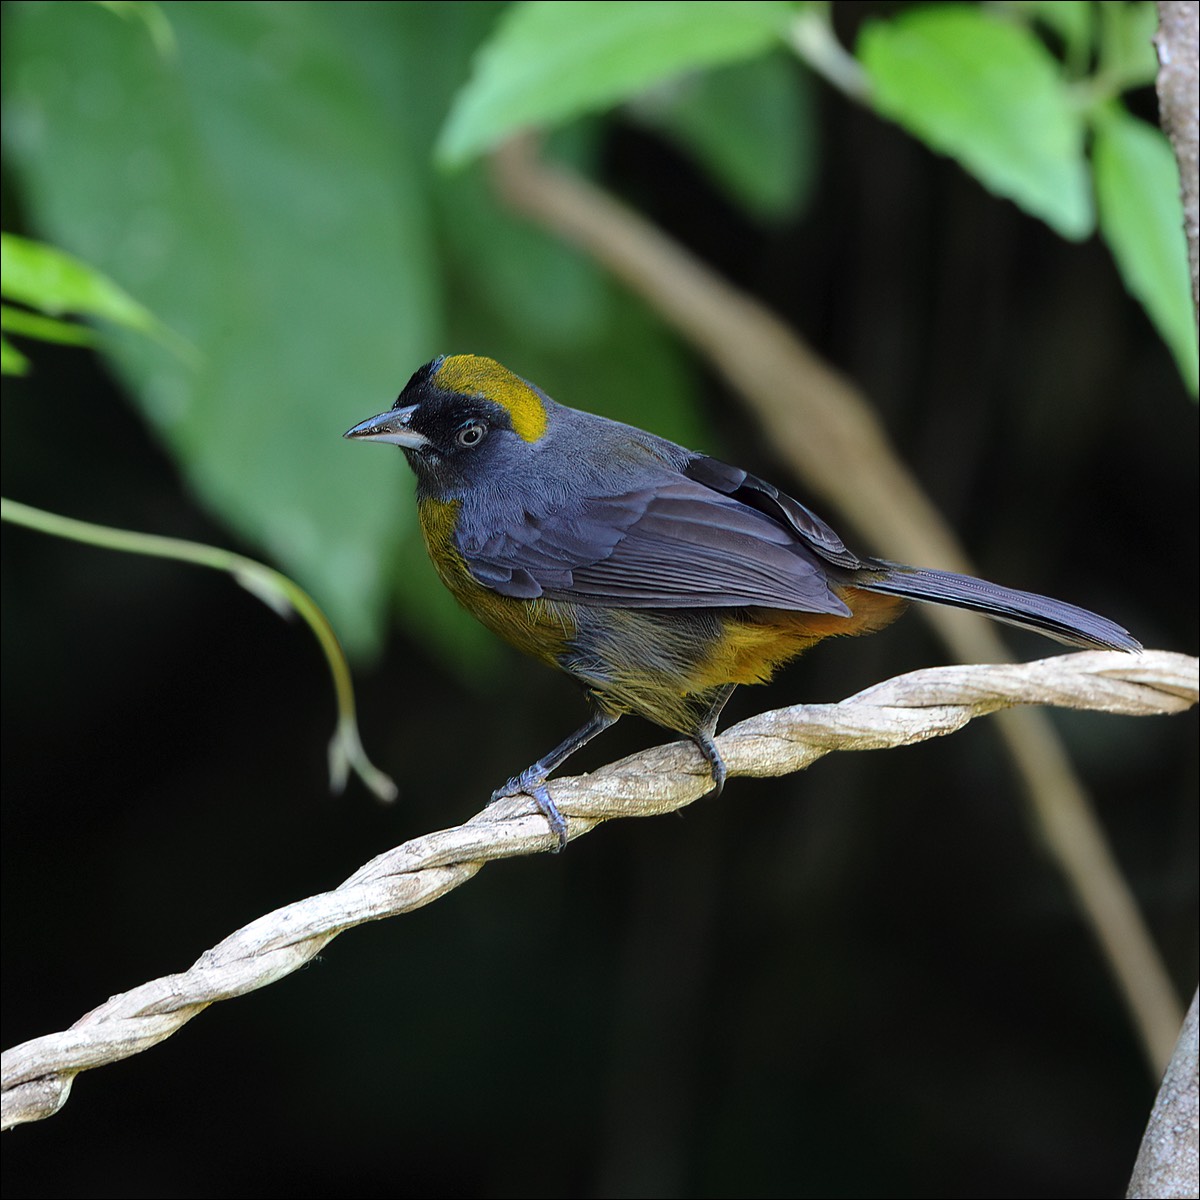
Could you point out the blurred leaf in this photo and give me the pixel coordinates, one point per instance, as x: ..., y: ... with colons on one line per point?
x: 1141, y: 219
x: 551, y: 60
x: 152, y: 18
x: 12, y: 361
x: 1072, y: 20
x: 990, y: 95
x: 48, y: 279
x: 257, y: 196
x: 751, y: 125
x: 1127, y: 56
x: 45, y: 329
x: 269, y: 191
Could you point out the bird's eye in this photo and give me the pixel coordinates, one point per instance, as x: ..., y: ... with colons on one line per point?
x: 471, y: 434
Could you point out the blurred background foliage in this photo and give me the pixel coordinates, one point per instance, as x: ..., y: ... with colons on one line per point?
x: 861, y: 985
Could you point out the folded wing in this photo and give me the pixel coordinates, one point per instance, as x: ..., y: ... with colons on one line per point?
x: 674, y: 543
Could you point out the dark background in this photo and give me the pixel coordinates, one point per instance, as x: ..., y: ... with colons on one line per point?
x: 863, y: 980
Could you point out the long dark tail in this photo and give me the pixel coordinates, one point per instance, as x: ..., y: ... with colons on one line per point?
x: 1057, y: 620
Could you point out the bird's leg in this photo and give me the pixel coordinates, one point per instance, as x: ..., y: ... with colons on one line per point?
x: 532, y: 780
x: 703, y: 737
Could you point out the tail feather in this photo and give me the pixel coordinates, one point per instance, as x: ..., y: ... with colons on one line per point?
x: 1053, y: 618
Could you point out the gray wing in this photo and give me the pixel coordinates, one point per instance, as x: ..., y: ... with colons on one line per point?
x: 675, y: 543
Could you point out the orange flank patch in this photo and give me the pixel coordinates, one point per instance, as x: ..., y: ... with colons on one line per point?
x: 759, y: 641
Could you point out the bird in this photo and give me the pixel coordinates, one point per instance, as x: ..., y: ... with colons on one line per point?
x: 660, y: 579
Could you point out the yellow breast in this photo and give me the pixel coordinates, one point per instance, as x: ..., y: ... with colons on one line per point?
x: 541, y: 628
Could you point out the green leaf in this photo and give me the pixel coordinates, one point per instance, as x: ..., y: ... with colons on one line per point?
x: 152, y: 19
x: 269, y: 191
x: 45, y: 329
x: 1074, y: 22
x: 751, y: 124
x: 552, y: 60
x: 1127, y: 57
x: 12, y: 361
x: 1141, y: 219
x: 55, y: 282
x: 256, y: 194
x: 990, y: 95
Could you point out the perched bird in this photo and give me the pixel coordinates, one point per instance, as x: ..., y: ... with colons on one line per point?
x: 656, y: 577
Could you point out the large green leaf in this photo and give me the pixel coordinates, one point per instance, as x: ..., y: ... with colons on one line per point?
x: 551, y: 60
x: 1141, y: 218
x: 989, y: 94
x: 252, y: 192
x: 267, y: 189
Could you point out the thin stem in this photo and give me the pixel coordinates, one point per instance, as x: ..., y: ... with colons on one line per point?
x: 270, y: 586
x: 811, y: 36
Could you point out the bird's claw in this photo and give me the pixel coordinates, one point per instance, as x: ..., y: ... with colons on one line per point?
x: 718, y: 778
x: 532, y: 783
x: 716, y: 764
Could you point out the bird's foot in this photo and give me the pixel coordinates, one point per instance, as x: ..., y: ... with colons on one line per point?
x: 718, y: 776
x: 716, y: 764
x: 532, y: 782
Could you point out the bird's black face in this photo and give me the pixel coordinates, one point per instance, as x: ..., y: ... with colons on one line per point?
x: 465, y: 440
x: 453, y: 441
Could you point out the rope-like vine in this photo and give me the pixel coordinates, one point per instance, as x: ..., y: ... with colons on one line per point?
x: 37, y: 1075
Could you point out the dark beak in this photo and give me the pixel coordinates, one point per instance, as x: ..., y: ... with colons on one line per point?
x: 391, y: 426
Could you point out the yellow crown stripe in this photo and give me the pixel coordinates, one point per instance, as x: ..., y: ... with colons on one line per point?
x: 472, y: 375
